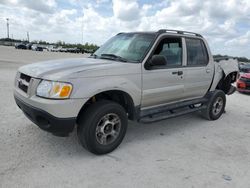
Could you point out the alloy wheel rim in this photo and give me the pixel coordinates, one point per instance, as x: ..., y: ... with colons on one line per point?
x: 108, y: 129
x: 217, y: 106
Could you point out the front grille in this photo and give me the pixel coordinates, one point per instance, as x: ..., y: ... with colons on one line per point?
x: 23, y: 87
x: 23, y: 82
x: 25, y: 77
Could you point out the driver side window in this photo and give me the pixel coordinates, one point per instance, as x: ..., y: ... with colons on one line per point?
x: 171, y: 49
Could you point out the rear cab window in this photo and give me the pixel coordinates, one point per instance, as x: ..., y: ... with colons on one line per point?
x: 197, y: 54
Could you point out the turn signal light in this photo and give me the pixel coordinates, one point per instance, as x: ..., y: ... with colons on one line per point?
x: 65, y: 91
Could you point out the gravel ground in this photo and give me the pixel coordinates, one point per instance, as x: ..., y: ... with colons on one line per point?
x: 187, y: 151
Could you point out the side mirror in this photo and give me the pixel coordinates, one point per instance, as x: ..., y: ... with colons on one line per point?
x: 158, y: 60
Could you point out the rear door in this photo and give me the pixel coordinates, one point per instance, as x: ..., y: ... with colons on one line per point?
x: 164, y: 84
x: 199, y: 69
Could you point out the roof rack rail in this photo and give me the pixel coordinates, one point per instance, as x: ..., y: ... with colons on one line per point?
x: 178, y: 32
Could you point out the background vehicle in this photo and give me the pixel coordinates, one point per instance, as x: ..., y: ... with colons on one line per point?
x: 73, y: 50
x: 243, y: 83
x: 36, y: 47
x: 29, y: 45
x: 56, y: 49
x: 63, y: 50
x: 244, y: 68
x: 88, y: 51
x: 50, y: 48
x: 141, y: 76
x: 21, y: 46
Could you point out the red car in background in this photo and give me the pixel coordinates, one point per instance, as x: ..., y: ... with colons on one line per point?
x: 243, y: 83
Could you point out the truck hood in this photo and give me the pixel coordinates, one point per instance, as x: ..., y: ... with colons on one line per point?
x: 77, y: 67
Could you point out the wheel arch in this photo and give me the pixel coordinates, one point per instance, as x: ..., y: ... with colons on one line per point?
x: 119, y: 96
x: 225, y: 82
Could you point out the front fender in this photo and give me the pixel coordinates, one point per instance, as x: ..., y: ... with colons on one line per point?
x: 89, y: 87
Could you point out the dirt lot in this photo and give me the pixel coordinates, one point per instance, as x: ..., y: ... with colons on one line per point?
x: 182, y: 152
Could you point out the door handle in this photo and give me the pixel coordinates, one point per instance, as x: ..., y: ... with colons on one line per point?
x: 178, y: 73
x: 208, y: 70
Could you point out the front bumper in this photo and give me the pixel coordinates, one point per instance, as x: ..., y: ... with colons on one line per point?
x: 46, y: 121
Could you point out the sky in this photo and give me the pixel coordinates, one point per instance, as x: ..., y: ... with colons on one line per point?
x: 224, y: 23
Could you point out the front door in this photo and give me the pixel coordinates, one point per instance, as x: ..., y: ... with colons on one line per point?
x: 164, y: 83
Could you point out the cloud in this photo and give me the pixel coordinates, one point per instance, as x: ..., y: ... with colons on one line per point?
x: 225, y: 24
x: 240, y: 41
x: 102, y: 1
x: 47, y: 6
x: 127, y: 10
x: 9, y: 2
x: 240, y: 45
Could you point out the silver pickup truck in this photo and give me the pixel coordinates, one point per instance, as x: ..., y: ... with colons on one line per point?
x: 140, y: 76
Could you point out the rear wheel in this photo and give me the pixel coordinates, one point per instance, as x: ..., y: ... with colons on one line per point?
x: 216, y: 106
x: 102, y: 127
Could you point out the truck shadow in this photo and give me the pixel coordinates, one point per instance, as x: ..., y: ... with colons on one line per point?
x: 136, y: 132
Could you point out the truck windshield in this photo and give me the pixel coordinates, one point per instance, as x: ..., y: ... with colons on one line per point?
x: 126, y: 47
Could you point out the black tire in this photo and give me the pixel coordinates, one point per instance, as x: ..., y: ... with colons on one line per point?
x: 91, y: 134
x: 217, y: 100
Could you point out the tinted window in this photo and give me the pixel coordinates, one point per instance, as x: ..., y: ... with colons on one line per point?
x: 171, y: 48
x: 196, y: 52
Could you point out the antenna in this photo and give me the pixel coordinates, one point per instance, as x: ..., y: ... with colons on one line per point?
x: 8, y: 29
x: 82, y: 29
x: 28, y: 36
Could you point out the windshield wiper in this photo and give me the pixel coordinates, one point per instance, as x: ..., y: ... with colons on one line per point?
x: 114, y: 57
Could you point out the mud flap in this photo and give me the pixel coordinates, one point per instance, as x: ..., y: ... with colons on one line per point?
x: 231, y: 90
x: 226, y: 84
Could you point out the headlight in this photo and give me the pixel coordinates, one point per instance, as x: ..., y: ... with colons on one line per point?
x: 54, y: 90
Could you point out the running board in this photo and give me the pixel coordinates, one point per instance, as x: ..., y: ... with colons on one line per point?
x: 170, y: 114
x: 181, y: 104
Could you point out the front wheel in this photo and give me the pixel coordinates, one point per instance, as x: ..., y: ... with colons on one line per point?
x: 216, y: 106
x: 102, y: 127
